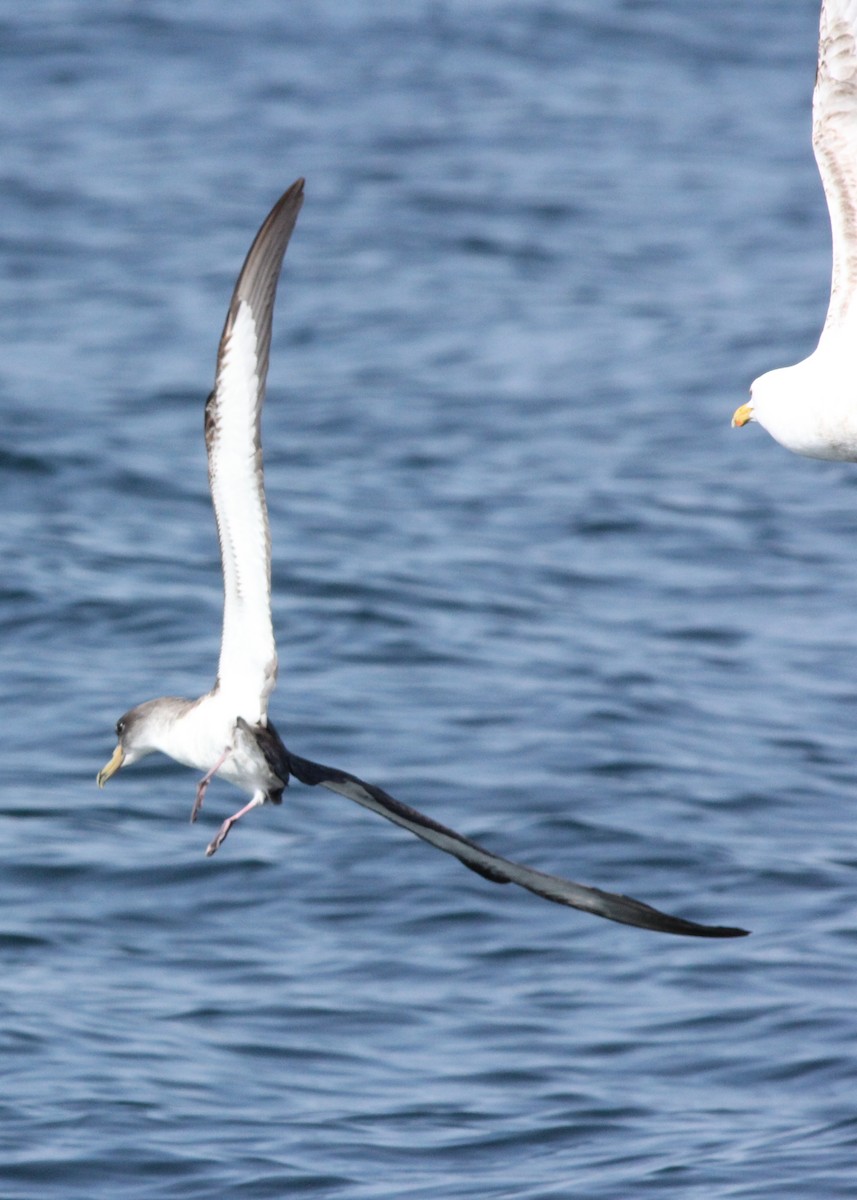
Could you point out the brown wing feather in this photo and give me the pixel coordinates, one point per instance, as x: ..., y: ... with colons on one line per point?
x: 615, y: 907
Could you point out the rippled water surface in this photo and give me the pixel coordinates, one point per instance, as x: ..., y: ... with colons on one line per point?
x: 526, y: 577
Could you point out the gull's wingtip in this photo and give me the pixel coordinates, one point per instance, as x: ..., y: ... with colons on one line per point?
x: 289, y: 204
x: 723, y: 931
x: 625, y: 910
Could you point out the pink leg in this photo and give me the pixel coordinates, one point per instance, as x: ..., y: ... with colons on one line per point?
x: 205, y: 781
x: 218, y: 841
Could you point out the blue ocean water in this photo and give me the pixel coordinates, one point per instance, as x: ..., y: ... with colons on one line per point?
x: 527, y: 578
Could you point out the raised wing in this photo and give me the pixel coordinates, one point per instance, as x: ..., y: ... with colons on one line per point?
x: 834, y: 139
x: 248, y: 655
x: 623, y: 909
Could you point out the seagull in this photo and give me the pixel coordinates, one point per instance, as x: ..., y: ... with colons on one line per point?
x: 227, y: 732
x: 811, y: 408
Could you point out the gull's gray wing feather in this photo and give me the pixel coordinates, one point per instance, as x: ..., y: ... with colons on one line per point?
x: 834, y: 139
x: 614, y: 907
x: 247, y: 669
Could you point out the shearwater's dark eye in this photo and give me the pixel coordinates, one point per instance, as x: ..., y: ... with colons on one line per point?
x: 120, y: 728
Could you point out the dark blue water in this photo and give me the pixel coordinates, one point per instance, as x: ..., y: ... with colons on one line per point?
x: 526, y: 577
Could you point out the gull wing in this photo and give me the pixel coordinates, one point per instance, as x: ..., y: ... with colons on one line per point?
x: 834, y: 139
x: 623, y: 909
x: 248, y: 654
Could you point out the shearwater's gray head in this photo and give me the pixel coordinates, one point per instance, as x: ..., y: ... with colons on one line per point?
x: 140, y: 732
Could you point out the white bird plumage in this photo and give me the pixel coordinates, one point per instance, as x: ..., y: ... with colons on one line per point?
x: 811, y: 407
x: 247, y: 670
x: 227, y: 732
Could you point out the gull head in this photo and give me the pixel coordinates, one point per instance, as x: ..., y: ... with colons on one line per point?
x: 810, y: 408
x: 140, y: 732
x: 778, y: 402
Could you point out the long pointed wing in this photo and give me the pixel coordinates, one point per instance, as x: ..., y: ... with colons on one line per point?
x: 248, y: 655
x: 623, y: 909
x: 834, y: 139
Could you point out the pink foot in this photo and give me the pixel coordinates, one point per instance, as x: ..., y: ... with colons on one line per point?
x: 216, y: 842
x: 220, y: 837
x: 200, y: 796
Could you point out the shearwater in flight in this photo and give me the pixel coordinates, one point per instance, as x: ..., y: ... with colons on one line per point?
x: 227, y: 732
x: 811, y: 407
